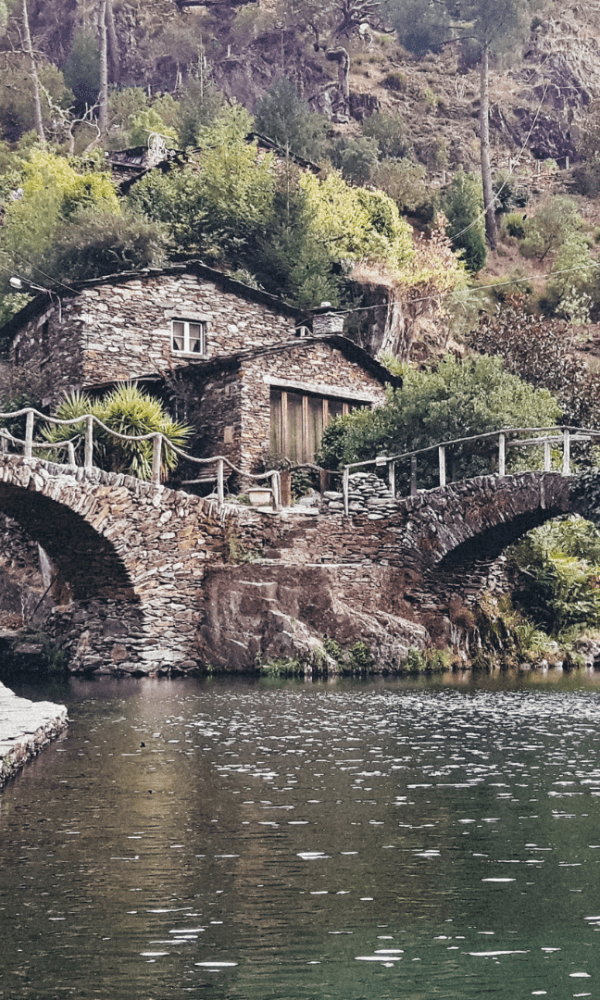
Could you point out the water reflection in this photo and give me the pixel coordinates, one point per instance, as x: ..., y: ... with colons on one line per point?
x: 233, y: 840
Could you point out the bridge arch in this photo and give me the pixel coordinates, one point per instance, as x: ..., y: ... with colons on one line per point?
x: 131, y: 556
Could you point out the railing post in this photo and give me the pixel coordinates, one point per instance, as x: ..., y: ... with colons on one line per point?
x: 566, y: 452
x: 547, y: 457
x: 156, y: 451
x: 88, y: 454
x: 413, y: 475
x: 275, y: 490
x: 71, y: 453
x: 502, y: 454
x: 220, y: 483
x: 28, y: 449
x: 442, y: 458
x: 392, y: 478
x: 345, y: 489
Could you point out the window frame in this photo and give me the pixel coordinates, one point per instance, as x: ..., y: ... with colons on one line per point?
x: 186, y: 351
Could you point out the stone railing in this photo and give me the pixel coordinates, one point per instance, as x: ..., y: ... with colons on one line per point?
x: 29, y: 444
x: 545, y: 437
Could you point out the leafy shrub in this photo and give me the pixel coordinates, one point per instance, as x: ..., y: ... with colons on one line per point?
x: 405, y: 182
x: 551, y: 225
x: 356, y: 158
x: 559, y: 587
x: 509, y: 192
x: 513, y: 224
x: 455, y: 399
x: 463, y: 206
x: 388, y: 132
x: 395, y: 81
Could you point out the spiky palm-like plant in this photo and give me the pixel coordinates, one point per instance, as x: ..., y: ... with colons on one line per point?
x: 130, y: 411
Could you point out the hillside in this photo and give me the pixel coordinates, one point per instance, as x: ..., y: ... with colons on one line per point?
x: 408, y: 126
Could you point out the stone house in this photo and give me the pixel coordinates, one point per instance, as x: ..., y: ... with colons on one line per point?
x: 240, y: 365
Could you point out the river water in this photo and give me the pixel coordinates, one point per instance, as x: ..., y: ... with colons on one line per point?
x: 297, y: 841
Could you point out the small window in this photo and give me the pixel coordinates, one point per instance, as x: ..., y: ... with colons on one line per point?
x: 189, y: 337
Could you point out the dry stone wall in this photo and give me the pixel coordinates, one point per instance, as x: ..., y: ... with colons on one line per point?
x: 132, y: 556
x: 155, y: 580
x: 120, y: 329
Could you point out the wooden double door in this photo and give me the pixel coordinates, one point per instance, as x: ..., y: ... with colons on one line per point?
x: 298, y: 420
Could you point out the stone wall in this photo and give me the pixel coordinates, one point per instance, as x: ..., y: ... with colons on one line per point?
x: 120, y: 329
x: 132, y: 557
x: 310, y: 367
x: 147, y: 586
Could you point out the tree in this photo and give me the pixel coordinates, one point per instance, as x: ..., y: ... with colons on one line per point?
x: 490, y: 26
x: 551, y: 225
x: 283, y: 116
x: 127, y: 410
x: 463, y: 205
x: 456, y: 399
x: 542, y: 352
x: 28, y: 50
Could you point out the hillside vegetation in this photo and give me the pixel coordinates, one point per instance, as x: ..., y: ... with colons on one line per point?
x: 434, y: 169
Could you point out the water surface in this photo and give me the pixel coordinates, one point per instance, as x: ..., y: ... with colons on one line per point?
x: 303, y: 842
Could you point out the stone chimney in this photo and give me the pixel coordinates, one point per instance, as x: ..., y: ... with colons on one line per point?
x: 326, y: 321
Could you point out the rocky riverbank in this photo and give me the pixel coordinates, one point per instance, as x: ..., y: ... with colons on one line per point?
x: 25, y: 728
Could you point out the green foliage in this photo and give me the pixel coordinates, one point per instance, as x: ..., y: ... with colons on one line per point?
x: 405, y: 183
x: 463, y: 207
x: 123, y: 105
x: 82, y: 70
x: 421, y: 26
x: 572, y: 278
x: 388, y: 132
x: 360, y: 659
x: 542, y: 352
x: 510, y: 192
x: 144, y: 123
x: 219, y: 206
x: 16, y: 95
x: 426, y: 661
x: 355, y: 224
x: 199, y: 104
x: 282, y: 667
x: 560, y: 576
x: 551, y: 225
x: 94, y: 243
x: 356, y: 158
x: 126, y: 410
x: 513, y: 224
x: 283, y: 116
x: 457, y: 399
x: 53, y: 192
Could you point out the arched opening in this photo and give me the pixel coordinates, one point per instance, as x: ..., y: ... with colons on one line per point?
x: 86, y: 563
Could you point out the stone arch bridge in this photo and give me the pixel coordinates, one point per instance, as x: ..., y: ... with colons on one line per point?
x: 148, y: 579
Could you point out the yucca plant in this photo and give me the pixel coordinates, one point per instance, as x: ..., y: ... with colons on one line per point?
x: 130, y: 411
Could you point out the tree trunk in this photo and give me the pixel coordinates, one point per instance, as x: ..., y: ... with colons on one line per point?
x: 113, y: 44
x: 486, y: 171
x: 103, y: 113
x: 37, y: 105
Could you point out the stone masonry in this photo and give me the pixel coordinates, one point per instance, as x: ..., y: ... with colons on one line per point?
x: 155, y: 580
